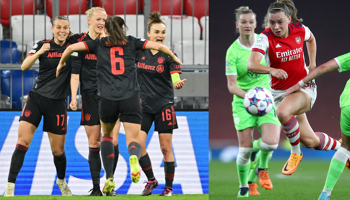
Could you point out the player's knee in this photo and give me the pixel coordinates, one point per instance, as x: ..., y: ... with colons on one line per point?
x: 166, y: 151
x: 268, y: 147
x: 310, y: 143
x: 243, y: 156
x: 282, y: 115
x: 94, y: 144
x: 57, y: 153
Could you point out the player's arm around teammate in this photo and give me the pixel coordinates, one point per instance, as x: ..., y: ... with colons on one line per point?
x: 287, y: 67
x: 239, y: 80
x: 84, y: 66
x: 341, y: 157
x: 45, y: 99
x: 124, y: 100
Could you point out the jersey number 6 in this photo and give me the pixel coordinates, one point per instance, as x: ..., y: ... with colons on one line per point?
x: 115, y: 60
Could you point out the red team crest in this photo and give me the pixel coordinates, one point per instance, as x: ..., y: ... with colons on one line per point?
x: 160, y: 60
x: 27, y: 113
x: 87, y: 117
x: 160, y: 68
x: 298, y: 39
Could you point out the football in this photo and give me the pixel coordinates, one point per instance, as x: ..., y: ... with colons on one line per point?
x: 258, y: 101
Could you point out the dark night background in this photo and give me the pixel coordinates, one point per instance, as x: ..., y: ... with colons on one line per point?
x: 328, y: 21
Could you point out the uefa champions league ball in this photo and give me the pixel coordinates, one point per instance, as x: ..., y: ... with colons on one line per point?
x: 258, y: 101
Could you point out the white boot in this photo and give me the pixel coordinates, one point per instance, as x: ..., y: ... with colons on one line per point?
x: 10, y: 190
x: 62, y: 184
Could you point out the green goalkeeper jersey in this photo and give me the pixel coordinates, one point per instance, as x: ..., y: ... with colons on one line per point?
x: 344, y: 65
x: 236, y: 64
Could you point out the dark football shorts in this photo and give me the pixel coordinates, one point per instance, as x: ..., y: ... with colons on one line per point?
x: 164, y: 121
x: 54, y: 112
x: 129, y: 109
x: 89, y: 110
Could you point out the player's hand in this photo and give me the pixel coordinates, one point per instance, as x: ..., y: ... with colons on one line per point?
x: 59, y: 67
x: 101, y: 35
x: 44, y: 48
x: 279, y: 73
x: 179, y: 84
x: 73, y: 104
x: 292, y: 89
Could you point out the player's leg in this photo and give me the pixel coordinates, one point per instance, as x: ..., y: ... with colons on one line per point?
x: 316, y: 140
x: 294, y: 104
x: 131, y: 116
x: 91, y: 121
x: 269, y: 142
x: 115, y: 133
x: 254, y: 163
x: 29, y: 121
x: 108, y: 116
x: 165, y: 123
x: 341, y: 155
x: 25, y: 135
x: 270, y: 129
x: 243, y: 159
x: 145, y: 161
x: 55, y: 124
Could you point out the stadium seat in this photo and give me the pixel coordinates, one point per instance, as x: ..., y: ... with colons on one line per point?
x: 41, y: 32
x: 200, y: 54
x: 135, y: 25
x: 17, y: 84
x: 74, y: 23
x: 72, y: 10
x: 205, y: 25
x: 132, y: 6
x: 200, y: 9
x: 16, y: 9
x: 174, y: 32
x: 5, y: 102
x: 166, y: 6
x: 6, y: 52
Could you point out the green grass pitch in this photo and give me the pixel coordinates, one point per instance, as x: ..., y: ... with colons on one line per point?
x: 306, y: 183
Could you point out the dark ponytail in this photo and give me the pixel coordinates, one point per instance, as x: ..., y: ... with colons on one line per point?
x: 288, y: 7
x: 114, y: 26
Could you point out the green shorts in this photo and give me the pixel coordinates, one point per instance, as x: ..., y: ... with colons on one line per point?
x: 243, y: 119
x: 345, y: 120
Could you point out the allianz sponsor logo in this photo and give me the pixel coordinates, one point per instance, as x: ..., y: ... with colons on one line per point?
x: 289, y: 52
x: 41, y: 177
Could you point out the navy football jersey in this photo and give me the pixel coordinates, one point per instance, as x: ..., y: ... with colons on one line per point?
x: 47, y: 84
x: 154, y: 77
x: 85, y: 66
x: 116, y: 68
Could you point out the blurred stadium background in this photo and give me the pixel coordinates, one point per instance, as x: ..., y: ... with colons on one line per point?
x: 24, y: 22
x: 328, y: 22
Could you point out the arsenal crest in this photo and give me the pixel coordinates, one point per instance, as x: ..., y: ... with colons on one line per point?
x: 298, y: 39
x: 160, y: 60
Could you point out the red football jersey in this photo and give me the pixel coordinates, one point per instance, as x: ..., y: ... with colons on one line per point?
x: 285, y: 53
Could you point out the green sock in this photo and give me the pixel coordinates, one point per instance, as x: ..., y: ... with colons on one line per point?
x: 264, y: 155
x: 256, y: 145
x: 252, y: 174
x: 264, y: 159
x: 243, y: 174
x: 335, y: 170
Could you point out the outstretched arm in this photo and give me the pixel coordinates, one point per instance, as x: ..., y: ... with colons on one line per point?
x: 324, y: 68
x: 162, y: 48
x: 69, y: 50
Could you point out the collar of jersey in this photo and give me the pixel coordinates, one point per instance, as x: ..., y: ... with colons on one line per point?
x: 244, y: 47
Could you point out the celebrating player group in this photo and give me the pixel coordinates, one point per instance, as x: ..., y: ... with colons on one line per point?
x: 277, y: 56
x: 108, y: 66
